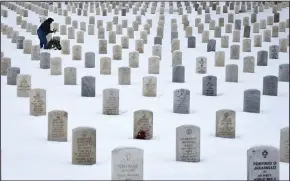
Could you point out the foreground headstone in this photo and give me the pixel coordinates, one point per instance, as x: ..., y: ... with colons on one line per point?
x: 143, y: 125
x: 88, y: 88
x: 127, y: 163
x: 111, y: 101
x: 188, y: 143
x: 23, y: 85
x: 84, y: 146
x: 181, y: 101
x: 263, y: 163
x: 284, y: 145
x: 57, y: 126
x: 270, y: 85
x: 37, y: 102
x: 209, y: 85
x: 226, y: 123
x: 252, y: 99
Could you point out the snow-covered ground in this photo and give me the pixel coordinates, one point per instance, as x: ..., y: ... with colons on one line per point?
x: 27, y: 155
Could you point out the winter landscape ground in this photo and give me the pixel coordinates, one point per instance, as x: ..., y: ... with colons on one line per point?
x: 27, y: 155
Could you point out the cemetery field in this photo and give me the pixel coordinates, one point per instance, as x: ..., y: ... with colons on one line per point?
x: 196, y: 72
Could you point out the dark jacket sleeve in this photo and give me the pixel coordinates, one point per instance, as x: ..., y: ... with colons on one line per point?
x: 45, y: 27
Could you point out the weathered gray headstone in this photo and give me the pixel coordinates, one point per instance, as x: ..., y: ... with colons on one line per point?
x: 205, y: 36
x: 55, y: 66
x: 188, y: 143
x: 111, y: 101
x: 262, y: 58
x: 153, y: 65
x: 143, y: 125
x: 201, y: 65
x: 191, y: 42
x: 211, y: 45
x: 178, y: 74
x: 232, y: 73
x: 23, y: 85
x: 70, y: 76
x: 37, y: 102
x: 57, y: 126
x: 139, y: 45
x: 217, y: 32
x: 117, y: 52
x: 102, y: 46
x: 284, y: 144
x: 283, y: 43
x: 274, y: 52
x: 88, y: 87
x: 275, y: 31
x: 235, y: 52
x: 84, y: 146
x: 209, y: 85
x: 270, y: 85
x: 236, y: 36
x: 149, y: 86
x: 249, y: 64
x: 181, y: 101
x: 5, y: 64
x: 258, y: 41
x: 247, y: 31
x: 89, y: 60
x: 219, y: 59
x: 19, y: 42
x: 125, y: 42
x: 226, y: 123
x: 225, y: 41
x: 252, y: 101
x: 12, y: 73
x: 247, y: 45
x: 158, y: 40
x: 238, y: 24
x: 284, y: 73
x: 105, y: 65
x: 124, y: 75
x: 76, y: 52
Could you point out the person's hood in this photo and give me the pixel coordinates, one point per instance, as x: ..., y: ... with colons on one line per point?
x: 49, y: 20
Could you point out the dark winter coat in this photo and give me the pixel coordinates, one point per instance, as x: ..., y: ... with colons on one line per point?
x: 45, y: 26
